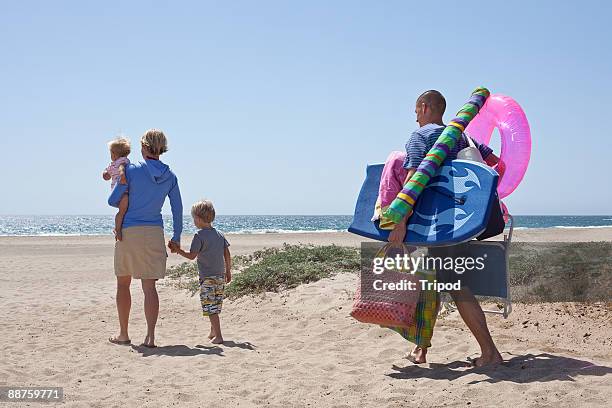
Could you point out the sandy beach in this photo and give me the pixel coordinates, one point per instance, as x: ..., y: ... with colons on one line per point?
x: 295, y: 348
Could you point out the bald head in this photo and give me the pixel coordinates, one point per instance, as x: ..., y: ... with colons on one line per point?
x: 434, y: 100
x: 430, y: 106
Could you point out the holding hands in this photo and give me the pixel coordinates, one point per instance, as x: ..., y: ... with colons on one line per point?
x: 174, y: 246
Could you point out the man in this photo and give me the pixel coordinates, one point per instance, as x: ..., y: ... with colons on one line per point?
x: 430, y: 107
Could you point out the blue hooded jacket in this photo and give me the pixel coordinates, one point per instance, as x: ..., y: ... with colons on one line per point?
x: 149, y: 183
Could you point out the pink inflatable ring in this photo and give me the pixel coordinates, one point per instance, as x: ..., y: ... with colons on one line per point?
x: 505, y: 114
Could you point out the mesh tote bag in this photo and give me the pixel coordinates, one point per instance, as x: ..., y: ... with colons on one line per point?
x: 390, y: 307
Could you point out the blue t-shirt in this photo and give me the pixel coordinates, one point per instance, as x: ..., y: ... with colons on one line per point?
x: 423, y: 139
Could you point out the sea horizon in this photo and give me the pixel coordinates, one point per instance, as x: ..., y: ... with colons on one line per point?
x: 102, y: 224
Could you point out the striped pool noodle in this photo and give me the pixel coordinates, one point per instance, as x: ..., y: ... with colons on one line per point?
x: 406, y: 199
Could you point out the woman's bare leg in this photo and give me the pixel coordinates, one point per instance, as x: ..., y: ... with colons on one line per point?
x: 151, y: 308
x: 124, y: 304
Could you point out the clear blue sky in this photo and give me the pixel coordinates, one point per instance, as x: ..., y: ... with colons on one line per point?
x: 276, y: 107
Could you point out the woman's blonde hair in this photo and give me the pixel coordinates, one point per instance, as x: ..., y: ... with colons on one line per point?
x: 120, y: 146
x: 154, y: 141
x: 204, y: 210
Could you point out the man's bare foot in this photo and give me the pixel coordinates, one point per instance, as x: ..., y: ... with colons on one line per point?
x: 217, y: 340
x: 491, y: 360
x: 418, y: 355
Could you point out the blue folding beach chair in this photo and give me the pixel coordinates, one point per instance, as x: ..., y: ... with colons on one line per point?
x: 492, y: 281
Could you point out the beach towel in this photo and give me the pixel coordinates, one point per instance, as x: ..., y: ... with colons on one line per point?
x: 420, y: 331
x: 391, y: 182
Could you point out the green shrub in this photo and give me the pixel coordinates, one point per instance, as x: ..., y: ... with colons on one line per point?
x: 274, y: 269
x: 184, y: 276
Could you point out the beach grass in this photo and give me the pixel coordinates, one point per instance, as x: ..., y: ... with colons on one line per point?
x: 561, y: 272
x: 183, y: 276
x: 275, y: 269
x: 538, y: 271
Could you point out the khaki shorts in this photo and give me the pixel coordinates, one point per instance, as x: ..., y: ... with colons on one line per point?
x: 142, y: 253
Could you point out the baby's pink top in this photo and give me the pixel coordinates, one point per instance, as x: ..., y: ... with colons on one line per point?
x: 113, y: 169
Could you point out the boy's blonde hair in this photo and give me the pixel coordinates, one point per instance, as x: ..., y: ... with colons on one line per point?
x: 155, y: 142
x: 120, y: 146
x: 204, y: 210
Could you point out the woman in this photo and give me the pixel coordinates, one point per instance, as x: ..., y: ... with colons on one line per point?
x: 140, y: 251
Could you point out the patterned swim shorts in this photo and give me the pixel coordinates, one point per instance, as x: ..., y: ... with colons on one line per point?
x: 211, y: 295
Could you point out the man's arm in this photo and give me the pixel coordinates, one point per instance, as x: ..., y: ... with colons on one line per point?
x: 398, y: 234
x: 490, y: 159
x: 416, y: 150
x: 496, y: 163
x: 409, y: 175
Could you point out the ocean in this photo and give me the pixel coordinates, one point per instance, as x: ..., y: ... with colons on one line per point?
x: 50, y: 225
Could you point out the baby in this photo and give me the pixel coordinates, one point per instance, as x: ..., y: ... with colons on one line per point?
x: 214, y: 264
x: 119, y: 151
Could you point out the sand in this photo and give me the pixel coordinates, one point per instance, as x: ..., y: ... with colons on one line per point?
x: 295, y: 348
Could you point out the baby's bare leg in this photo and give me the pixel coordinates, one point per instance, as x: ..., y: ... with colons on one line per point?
x: 123, y: 206
x: 123, y: 179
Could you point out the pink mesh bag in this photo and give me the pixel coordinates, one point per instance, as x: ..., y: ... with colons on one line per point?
x: 391, y: 308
